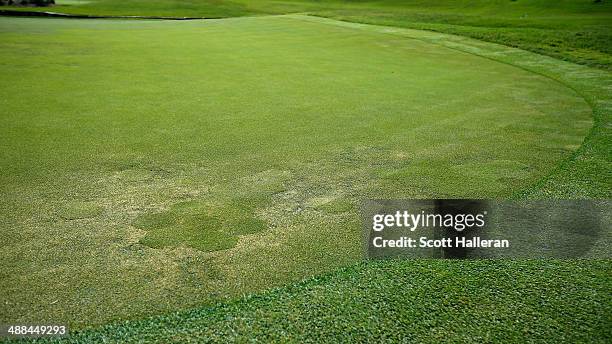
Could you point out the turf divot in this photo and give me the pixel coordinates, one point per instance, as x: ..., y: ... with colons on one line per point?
x: 195, y: 225
x: 80, y: 210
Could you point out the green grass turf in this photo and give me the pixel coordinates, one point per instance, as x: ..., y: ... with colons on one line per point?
x: 422, y: 301
x: 575, y: 30
x: 283, y: 121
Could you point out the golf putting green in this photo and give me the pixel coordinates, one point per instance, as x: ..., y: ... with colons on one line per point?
x: 152, y: 165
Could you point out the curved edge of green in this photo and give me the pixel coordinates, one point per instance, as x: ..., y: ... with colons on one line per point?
x: 337, y: 306
x: 583, y: 175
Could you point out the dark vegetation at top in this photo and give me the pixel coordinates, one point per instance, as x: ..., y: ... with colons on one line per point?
x: 37, y: 3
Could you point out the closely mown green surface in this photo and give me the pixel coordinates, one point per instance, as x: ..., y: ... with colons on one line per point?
x: 586, y: 174
x: 174, y: 128
x: 421, y: 301
x: 575, y: 30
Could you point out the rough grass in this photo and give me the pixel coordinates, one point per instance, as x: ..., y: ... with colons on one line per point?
x: 424, y: 301
x: 251, y: 121
x: 579, y: 31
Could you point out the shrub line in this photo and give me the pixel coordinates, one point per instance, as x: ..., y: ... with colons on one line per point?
x: 17, y: 13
